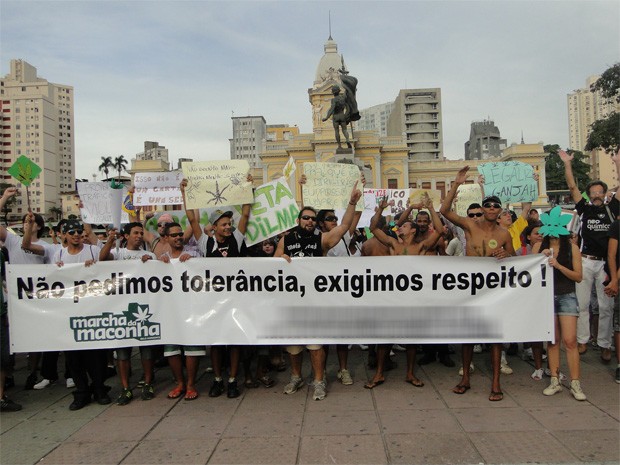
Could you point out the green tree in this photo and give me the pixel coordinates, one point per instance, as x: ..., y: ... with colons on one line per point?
x: 106, y: 164
x: 57, y: 212
x: 120, y: 164
x: 605, y: 133
x: 554, y: 169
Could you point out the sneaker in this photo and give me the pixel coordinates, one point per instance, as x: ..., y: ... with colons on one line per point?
x: 527, y: 354
x: 575, y: 390
x: 363, y: 347
x: 293, y: 385
x: 31, y: 380
x: 505, y: 369
x: 70, y: 383
x: 345, y: 377
x: 233, y: 390
x: 319, y: 390
x: 538, y: 374
x: 147, y: 392
x: 618, y: 375
x: 79, y: 404
x: 141, y: 383
x: 553, y: 388
x: 7, y: 405
x: 125, y: 397
x: 477, y: 348
x: 471, y: 369
x: 563, y: 377
x: 398, y: 348
x: 217, y: 389
x: 43, y: 384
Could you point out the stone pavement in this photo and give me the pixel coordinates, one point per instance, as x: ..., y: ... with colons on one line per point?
x: 394, y: 423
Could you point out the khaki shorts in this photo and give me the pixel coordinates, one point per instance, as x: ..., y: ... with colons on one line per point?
x: 294, y: 350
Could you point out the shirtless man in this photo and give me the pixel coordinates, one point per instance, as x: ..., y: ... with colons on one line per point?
x: 406, y: 244
x: 484, y: 238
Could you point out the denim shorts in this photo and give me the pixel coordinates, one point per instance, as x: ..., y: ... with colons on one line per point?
x: 566, y: 305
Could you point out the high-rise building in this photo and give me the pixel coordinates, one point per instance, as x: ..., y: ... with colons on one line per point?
x: 375, y: 118
x: 584, y: 108
x: 248, y: 140
x: 484, y: 141
x: 153, y: 151
x: 417, y: 118
x: 37, y: 122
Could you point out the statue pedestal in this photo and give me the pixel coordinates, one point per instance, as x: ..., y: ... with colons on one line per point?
x: 344, y: 151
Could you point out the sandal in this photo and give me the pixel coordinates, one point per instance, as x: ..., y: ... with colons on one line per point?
x: 191, y: 394
x: 415, y: 382
x: 496, y: 396
x: 250, y: 383
x: 461, y: 389
x: 373, y: 384
x: 267, y: 381
x: 176, y: 393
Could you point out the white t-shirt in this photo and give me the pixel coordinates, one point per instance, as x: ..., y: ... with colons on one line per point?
x: 341, y: 249
x: 88, y: 252
x: 19, y: 256
x: 126, y: 254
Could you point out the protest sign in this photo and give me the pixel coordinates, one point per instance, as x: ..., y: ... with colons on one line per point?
x: 466, y: 194
x: 401, y: 299
x: 217, y: 183
x: 274, y: 211
x: 100, y: 203
x: 24, y: 170
x: 417, y: 195
x: 329, y: 185
x: 511, y: 181
x: 158, y: 188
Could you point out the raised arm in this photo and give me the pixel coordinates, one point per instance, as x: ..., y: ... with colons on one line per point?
x: 106, y: 251
x: 568, y: 174
x: 27, y: 239
x: 245, y: 212
x: 446, y: 205
x: 6, y: 195
x: 331, y: 238
x: 381, y: 236
x: 191, y: 217
x: 437, y: 224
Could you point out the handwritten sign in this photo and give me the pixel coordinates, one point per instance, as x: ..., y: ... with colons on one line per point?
x: 157, y: 188
x: 217, y: 183
x: 98, y: 204
x: 467, y: 194
x: 180, y: 216
x: 274, y: 211
x: 511, y: 181
x: 329, y: 185
x: 416, y: 196
x: 24, y: 170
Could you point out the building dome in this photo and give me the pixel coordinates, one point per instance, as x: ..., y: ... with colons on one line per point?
x: 329, y: 65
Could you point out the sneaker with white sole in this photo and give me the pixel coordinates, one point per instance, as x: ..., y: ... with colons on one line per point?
x: 504, y: 369
x: 538, y: 374
x: 70, y: 383
x: 563, y: 377
x: 527, y: 354
x: 320, y: 390
x: 477, y: 348
x: 345, y: 377
x: 471, y: 369
x: 43, y: 384
x: 398, y: 348
x: 553, y: 388
x: 575, y: 390
x: 293, y: 385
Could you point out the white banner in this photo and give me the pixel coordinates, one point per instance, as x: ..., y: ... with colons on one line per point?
x: 158, y: 188
x: 270, y: 301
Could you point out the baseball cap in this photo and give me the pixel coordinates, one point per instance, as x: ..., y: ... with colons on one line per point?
x: 217, y: 214
x: 71, y: 224
x: 491, y: 198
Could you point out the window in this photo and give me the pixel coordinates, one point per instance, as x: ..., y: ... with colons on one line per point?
x: 392, y: 183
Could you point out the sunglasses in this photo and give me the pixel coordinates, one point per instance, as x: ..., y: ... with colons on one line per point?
x: 492, y: 205
x: 179, y: 234
x: 472, y: 215
x: 73, y: 232
x: 308, y: 217
x: 331, y: 218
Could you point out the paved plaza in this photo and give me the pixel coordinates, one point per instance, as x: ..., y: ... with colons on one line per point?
x: 394, y: 423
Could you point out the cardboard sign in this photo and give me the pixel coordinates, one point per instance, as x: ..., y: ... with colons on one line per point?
x: 101, y: 204
x: 158, y: 188
x: 24, y: 170
x: 329, y: 185
x: 466, y: 194
x: 511, y: 181
x: 416, y: 196
x: 217, y: 183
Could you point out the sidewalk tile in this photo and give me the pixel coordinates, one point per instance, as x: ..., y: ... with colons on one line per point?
x: 340, y: 423
x: 190, y: 427
x: 495, y: 420
x: 70, y: 453
x: 409, y: 398
x: 431, y: 448
x: 112, y: 429
x: 579, y: 417
x: 349, y: 400
x: 172, y: 451
x: 256, y: 450
x: 342, y: 450
x: 273, y: 424
x: 418, y: 421
x: 591, y: 446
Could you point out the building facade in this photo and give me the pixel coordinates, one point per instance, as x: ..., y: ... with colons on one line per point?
x: 153, y: 151
x: 484, y: 141
x: 37, y: 122
x: 248, y: 140
x: 416, y: 117
x: 375, y: 118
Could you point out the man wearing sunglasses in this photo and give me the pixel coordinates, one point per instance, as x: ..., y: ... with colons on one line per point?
x: 484, y: 238
x: 306, y: 240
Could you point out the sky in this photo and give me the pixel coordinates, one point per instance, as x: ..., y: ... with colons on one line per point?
x: 176, y: 71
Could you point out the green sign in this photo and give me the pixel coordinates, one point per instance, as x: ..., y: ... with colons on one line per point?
x: 24, y: 170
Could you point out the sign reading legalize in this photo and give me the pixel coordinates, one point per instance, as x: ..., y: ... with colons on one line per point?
x: 269, y: 301
x: 511, y: 181
x: 329, y: 185
x: 217, y: 183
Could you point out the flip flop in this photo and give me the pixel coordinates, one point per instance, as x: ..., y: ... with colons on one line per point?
x: 267, y: 381
x: 461, y: 389
x: 496, y: 396
x: 176, y: 393
x: 191, y: 394
x: 415, y: 382
x: 373, y: 384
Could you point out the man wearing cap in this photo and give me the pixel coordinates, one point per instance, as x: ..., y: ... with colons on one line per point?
x: 596, y: 217
x: 306, y: 240
x: 82, y: 363
x: 224, y: 243
x: 484, y: 238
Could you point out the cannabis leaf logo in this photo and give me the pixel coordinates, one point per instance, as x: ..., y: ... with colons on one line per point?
x: 138, y: 313
x: 554, y: 223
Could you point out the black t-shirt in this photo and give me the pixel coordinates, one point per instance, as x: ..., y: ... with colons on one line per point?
x: 614, y: 232
x: 595, y: 224
x: 299, y: 244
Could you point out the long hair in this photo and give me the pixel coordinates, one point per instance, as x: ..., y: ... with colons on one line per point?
x: 565, y: 255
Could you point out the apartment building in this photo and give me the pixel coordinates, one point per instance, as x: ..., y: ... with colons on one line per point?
x: 248, y: 140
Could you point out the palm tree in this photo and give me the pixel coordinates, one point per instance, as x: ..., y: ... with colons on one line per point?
x: 57, y: 211
x: 120, y: 163
x: 105, y: 166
